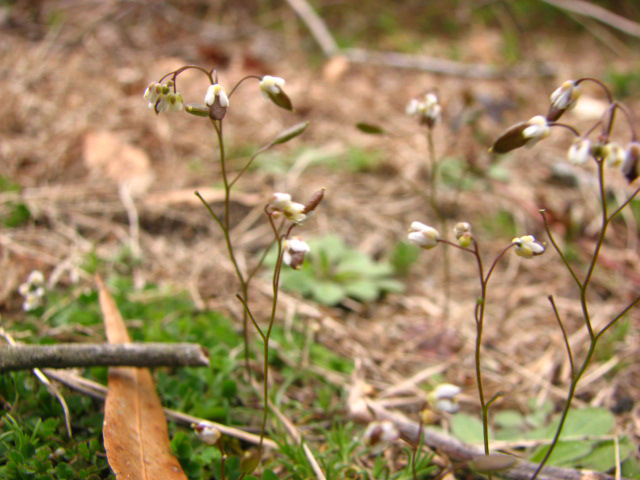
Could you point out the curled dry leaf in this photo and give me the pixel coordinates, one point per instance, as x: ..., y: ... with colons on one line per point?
x: 135, y: 429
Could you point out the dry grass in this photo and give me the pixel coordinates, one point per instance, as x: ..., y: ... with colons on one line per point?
x: 87, y: 74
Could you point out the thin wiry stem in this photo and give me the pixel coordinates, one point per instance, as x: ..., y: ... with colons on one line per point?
x: 583, y: 288
x: 556, y: 247
x: 442, y: 224
x: 617, y: 317
x: 564, y: 334
x: 225, y: 227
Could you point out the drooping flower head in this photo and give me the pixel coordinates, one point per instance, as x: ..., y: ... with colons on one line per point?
x: 580, y: 151
x: 206, y: 432
x: 613, y: 154
x: 380, y: 434
x: 162, y: 99
x: 527, y: 246
x: 462, y: 231
x: 294, y: 251
x: 522, y: 134
x: 217, y: 101
x: 272, y: 88
x: 443, y: 397
x: 423, y: 235
x: 294, y: 211
x: 564, y: 98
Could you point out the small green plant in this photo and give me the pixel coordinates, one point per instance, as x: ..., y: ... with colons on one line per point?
x: 13, y: 213
x: 604, y: 153
x: 335, y: 272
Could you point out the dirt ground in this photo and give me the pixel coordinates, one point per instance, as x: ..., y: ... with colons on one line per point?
x: 92, y: 161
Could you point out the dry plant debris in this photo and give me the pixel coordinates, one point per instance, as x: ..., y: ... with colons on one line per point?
x: 73, y: 90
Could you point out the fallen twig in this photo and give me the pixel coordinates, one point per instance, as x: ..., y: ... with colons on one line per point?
x: 365, y: 409
x: 99, y: 392
x: 598, y: 13
x: 21, y: 357
x: 330, y: 48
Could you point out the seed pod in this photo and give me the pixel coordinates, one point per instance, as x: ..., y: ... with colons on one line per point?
x: 314, y: 201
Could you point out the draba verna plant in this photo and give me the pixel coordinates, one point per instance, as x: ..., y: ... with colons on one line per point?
x: 610, y: 157
x: 284, y: 215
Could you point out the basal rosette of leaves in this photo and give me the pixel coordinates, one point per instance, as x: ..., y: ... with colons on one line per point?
x: 333, y: 272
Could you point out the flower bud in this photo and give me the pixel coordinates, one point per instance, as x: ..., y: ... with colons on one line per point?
x: 580, y: 151
x: 443, y: 397
x: 613, y: 154
x: 522, y: 134
x: 423, y: 235
x: 217, y: 101
x: 462, y: 231
x: 271, y: 88
x: 563, y: 98
x: 294, y: 252
x: 207, y: 432
x: 380, y: 435
x: 527, y: 246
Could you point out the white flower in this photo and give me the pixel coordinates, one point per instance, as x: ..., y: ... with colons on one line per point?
x: 413, y: 107
x: 580, y: 151
x: 613, y: 154
x: 280, y: 201
x: 535, y: 130
x: 207, y: 433
x: 31, y: 301
x: 171, y: 102
x: 443, y: 397
x: 527, y: 246
x: 294, y: 211
x: 294, y: 252
x: 32, y: 291
x: 428, y: 111
x: 271, y: 85
x: 216, y: 91
x: 423, y: 235
x: 379, y: 435
x: 565, y: 96
x: 36, y: 278
x: 153, y: 92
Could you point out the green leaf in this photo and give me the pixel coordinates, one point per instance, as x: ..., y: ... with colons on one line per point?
x: 17, y: 216
x: 269, y: 475
x: 390, y: 285
x: 565, y: 453
x: 508, y: 419
x: 327, y: 293
x: 588, y: 421
x: 290, y: 133
x: 404, y: 255
x: 467, y: 428
x: 362, y: 290
x: 603, y: 456
x: 369, y: 128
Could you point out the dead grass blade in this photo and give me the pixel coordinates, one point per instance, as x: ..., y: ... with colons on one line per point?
x: 135, y: 429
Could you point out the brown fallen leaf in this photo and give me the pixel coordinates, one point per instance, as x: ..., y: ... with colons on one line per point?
x: 135, y: 429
